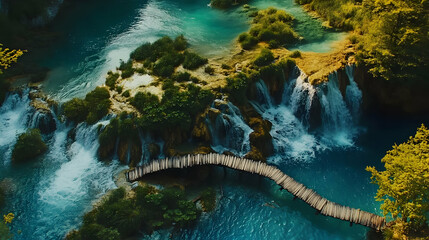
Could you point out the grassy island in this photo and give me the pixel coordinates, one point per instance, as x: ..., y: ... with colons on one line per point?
x: 272, y: 26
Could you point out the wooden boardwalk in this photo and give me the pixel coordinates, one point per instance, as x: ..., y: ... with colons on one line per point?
x: 309, y: 196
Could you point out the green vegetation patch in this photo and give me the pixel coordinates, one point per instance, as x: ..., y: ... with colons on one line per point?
x: 91, y: 109
x: 164, y: 55
x: 392, y: 35
x: 28, y: 146
x: 147, y: 210
x: 264, y: 58
x: 177, y: 109
x: 272, y: 26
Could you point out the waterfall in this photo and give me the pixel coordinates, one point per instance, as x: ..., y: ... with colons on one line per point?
x: 301, y: 98
x: 353, y: 93
x: 229, y: 131
x: 290, y: 137
x: 301, y: 105
x: 14, y: 115
x: 338, y: 123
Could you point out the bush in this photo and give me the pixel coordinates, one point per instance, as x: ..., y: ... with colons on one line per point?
x: 295, y: 54
x: 226, y: 67
x: 209, y: 70
x: 180, y: 43
x: 165, y: 66
x: 247, y: 41
x: 193, y: 61
x: 111, y: 79
x: 142, y: 53
x: 28, y: 146
x: 119, y: 89
x: 264, y: 58
x: 181, y: 77
x: 76, y: 110
x: 237, y: 87
x: 126, y: 94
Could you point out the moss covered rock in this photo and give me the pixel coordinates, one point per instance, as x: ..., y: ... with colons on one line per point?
x: 28, y: 146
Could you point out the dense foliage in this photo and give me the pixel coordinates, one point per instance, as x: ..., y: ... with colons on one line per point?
x: 404, y: 184
x: 146, y: 210
x: 393, y: 37
x: 29, y: 145
x: 177, y: 108
x: 94, y: 107
x: 164, y: 55
x: 224, y: 4
x: 264, y: 58
x: 272, y: 26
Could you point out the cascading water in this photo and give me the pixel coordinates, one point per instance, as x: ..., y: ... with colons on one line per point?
x: 58, y: 186
x: 14, y: 115
x: 353, y: 93
x: 290, y: 136
x: 338, y: 126
x: 229, y: 131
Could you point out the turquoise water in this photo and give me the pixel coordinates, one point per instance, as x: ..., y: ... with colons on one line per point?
x: 96, y: 37
x: 50, y: 195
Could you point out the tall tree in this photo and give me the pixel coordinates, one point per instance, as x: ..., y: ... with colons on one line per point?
x: 404, y: 185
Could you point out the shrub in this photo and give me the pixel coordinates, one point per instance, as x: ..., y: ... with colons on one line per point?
x: 264, y: 58
x: 181, y: 77
x: 126, y: 94
x: 142, y: 53
x: 209, y: 70
x: 226, y: 67
x: 111, y: 79
x: 180, y: 43
x: 193, y: 61
x: 274, y: 44
x: 295, y: 54
x: 119, y: 89
x: 29, y: 145
x: 98, y: 102
x: 247, y: 41
x: 165, y: 66
x: 237, y: 87
x: 127, y: 73
x: 76, y: 110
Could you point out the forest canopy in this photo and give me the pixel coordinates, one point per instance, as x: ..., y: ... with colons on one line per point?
x: 392, y: 35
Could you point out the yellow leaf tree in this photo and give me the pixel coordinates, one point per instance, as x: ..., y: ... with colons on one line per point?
x: 7, y: 57
x: 404, y: 185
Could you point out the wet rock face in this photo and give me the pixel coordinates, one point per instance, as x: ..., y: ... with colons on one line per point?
x: 260, y: 138
x: 129, y: 152
x: 393, y: 97
x: 154, y: 150
x: 43, y: 117
x: 200, y: 130
x: 255, y: 154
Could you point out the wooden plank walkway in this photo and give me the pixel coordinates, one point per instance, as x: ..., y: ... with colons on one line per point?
x: 309, y: 196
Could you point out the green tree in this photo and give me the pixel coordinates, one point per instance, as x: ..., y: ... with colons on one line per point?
x: 395, y: 40
x: 404, y: 185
